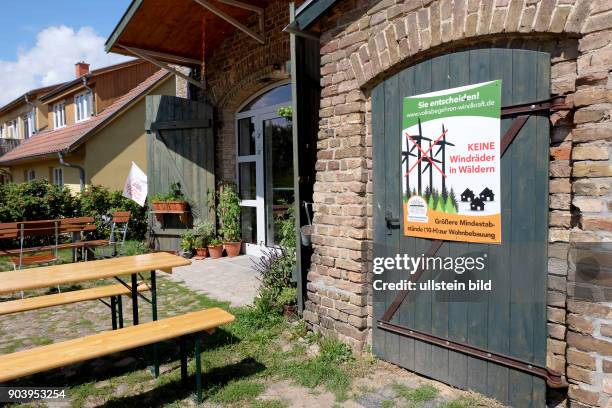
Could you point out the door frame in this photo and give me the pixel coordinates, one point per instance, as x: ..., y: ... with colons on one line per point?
x: 259, y: 116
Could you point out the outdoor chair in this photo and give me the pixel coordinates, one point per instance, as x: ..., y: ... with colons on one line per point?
x: 46, y: 230
x: 118, y: 234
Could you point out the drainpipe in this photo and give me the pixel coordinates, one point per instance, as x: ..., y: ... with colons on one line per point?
x: 75, y: 166
x: 85, y: 79
x: 34, y: 130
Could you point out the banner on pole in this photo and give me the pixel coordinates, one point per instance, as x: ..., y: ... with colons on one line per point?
x: 451, y: 164
x: 136, y: 185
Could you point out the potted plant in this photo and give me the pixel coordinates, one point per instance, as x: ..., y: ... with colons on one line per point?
x: 228, y: 213
x: 187, y: 244
x: 176, y: 199
x: 203, y: 230
x: 215, y: 247
x: 159, y: 202
x: 287, y: 298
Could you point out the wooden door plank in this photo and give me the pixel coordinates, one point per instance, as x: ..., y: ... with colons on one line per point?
x: 407, y: 246
x: 457, y: 315
x: 500, y: 255
x: 392, y: 193
x: 379, y: 186
x: 422, y: 316
x: 440, y: 71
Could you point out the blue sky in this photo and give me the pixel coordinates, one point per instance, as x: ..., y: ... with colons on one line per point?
x: 40, y: 43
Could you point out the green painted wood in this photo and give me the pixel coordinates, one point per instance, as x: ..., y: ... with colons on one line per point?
x: 379, y: 183
x: 180, y: 155
x: 311, y: 12
x: 511, y: 319
x: 393, y: 196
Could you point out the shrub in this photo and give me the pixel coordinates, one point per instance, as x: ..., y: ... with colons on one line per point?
x: 100, y: 203
x: 228, y: 212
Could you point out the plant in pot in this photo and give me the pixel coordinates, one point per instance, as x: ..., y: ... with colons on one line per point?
x: 287, y: 298
x: 187, y: 244
x: 203, y: 230
x: 159, y: 202
x: 215, y: 247
x: 228, y: 213
x: 176, y: 199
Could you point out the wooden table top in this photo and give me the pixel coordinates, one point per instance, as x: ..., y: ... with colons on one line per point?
x: 48, y: 276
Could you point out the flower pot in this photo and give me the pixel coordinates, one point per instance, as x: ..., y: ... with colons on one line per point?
x: 202, y: 252
x: 187, y: 254
x: 232, y: 248
x: 215, y: 251
x: 306, y: 235
x: 177, y: 205
x: 160, y: 206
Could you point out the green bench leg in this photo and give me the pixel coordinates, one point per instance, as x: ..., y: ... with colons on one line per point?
x: 120, y: 309
x: 113, y: 302
x: 154, y: 317
x: 198, y: 367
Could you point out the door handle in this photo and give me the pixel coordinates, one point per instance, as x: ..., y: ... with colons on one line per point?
x: 392, y: 223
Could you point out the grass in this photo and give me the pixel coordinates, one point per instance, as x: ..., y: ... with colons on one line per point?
x: 269, y: 404
x: 423, y: 393
x: 238, y: 391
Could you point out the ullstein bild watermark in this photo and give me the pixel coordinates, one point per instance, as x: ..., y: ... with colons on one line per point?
x: 409, y: 264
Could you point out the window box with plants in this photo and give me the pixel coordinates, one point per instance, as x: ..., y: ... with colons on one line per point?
x: 228, y: 213
x: 171, y: 202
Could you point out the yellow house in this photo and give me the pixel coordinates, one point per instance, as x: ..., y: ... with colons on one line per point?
x: 96, y: 128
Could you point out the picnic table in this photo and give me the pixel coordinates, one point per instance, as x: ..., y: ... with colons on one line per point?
x: 49, y: 276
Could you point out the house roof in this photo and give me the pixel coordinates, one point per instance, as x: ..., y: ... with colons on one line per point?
x: 61, y: 88
x: 21, y: 98
x: 174, y: 29
x: 66, y: 139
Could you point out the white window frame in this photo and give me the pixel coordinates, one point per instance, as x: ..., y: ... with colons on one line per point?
x: 28, y: 125
x: 86, y: 98
x: 58, y: 176
x: 59, y: 115
x: 2, y: 131
x: 30, y: 175
x: 12, y: 129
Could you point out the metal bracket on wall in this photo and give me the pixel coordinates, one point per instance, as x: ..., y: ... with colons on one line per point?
x: 553, y: 378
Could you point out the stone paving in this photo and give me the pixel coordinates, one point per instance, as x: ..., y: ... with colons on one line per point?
x: 227, y: 279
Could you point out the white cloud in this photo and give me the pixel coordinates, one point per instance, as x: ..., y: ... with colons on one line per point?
x: 52, y: 60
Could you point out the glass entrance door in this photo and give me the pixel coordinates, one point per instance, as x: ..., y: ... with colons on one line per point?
x: 264, y: 167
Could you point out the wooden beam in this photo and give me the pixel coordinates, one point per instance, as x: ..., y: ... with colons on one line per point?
x: 245, y: 6
x: 258, y: 37
x: 162, y: 65
x: 171, y: 57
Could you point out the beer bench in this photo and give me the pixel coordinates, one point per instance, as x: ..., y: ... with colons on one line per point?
x: 114, y: 292
x: 40, y: 359
x: 73, y: 226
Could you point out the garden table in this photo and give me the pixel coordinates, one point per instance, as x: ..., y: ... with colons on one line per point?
x: 49, y: 276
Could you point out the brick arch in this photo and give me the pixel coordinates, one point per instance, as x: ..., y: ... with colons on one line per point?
x: 406, y: 31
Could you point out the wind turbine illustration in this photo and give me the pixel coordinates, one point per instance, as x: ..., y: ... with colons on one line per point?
x: 406, y: 158
x: 430, y: 167
x: 442, y: 148
x: 418, y: 141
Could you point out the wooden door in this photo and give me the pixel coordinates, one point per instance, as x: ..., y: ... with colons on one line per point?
x: 180, y: 148
x: 510, y: 319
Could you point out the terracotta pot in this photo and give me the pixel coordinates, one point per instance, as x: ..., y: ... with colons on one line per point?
x: 215, y: 251
x: 203, y: 252
x: 160, y: 206
x: 177, y: 205
x: 232, y: 248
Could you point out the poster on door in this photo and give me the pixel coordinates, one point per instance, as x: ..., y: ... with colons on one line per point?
x: 451, y: 164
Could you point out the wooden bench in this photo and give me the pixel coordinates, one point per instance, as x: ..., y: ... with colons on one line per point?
x: 40, y: 359
x: 73, y: 226
x: 114, y: 292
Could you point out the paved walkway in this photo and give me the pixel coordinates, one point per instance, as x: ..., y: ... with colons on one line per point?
x: 228, y: 279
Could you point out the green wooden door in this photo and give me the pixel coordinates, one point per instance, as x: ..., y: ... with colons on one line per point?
x: 180, y: 148
x: 511, y: 319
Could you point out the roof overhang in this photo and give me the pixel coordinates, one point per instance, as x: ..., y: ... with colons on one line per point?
x: 182, y: 32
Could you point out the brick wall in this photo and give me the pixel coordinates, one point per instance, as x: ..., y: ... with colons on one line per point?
x: 237, y: 69
x: 364, y: 42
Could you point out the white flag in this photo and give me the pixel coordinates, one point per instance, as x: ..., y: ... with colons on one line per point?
x: 136, y: 185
